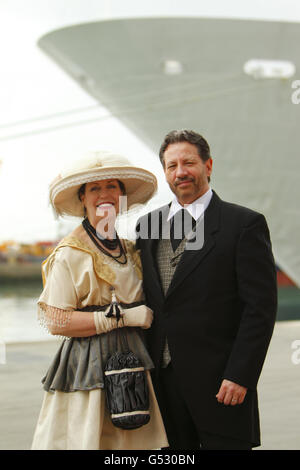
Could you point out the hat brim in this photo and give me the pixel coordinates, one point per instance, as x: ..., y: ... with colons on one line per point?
x: 140, y: 186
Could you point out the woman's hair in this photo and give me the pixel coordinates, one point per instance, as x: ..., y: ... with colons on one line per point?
x: 81, y: 190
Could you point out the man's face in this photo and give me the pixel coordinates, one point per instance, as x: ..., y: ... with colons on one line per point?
x: 185, y: 171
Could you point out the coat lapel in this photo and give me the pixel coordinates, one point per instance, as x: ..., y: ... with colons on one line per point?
x: 205, y: 232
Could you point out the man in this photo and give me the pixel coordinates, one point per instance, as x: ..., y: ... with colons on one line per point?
x: 214, y: 304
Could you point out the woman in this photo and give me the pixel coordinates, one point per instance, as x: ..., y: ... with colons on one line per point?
x: 88, y: 270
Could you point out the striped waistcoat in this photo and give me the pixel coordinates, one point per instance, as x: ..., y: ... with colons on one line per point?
x: 167, y: 261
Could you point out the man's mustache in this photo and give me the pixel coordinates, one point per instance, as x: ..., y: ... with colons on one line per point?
x: 183, y: 180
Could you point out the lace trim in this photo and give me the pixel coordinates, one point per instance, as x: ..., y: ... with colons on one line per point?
x: 101, y: 263
x: 49, y: 316
x: 102, y: 269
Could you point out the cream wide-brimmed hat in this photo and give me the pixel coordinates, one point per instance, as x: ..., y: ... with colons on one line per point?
x: 140, y: 185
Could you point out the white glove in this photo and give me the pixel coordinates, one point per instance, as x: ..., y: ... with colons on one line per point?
x: 141, y: 316
x: 104, y: 324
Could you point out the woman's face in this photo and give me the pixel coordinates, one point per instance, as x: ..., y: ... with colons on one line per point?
x: 101, y: 200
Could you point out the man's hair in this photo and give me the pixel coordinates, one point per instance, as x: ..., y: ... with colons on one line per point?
x: 174, y: 137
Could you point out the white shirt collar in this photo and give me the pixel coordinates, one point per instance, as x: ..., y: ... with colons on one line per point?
x: 196, y: 208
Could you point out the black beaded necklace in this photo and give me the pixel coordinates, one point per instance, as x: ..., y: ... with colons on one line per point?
x: 105, y: 242
x: 109, y: 244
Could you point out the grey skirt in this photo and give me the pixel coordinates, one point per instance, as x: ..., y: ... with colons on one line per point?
x: 79, y: 362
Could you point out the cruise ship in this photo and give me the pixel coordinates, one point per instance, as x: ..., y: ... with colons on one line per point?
x: 229, y: 70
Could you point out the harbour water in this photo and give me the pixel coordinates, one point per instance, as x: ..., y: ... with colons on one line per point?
x: 18, y: 310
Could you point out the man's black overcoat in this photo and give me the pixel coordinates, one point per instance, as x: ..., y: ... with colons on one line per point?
x: 218, y: 314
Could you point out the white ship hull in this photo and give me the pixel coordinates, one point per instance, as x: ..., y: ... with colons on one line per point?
x: 250, y: 123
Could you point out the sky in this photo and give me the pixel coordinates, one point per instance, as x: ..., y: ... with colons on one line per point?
x: 42, y: 110
x: 34, y: 87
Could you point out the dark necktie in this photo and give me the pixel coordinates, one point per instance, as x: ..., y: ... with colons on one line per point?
x: 181, y: 224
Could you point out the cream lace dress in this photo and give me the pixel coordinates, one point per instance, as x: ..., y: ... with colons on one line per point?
x: 74, y: 415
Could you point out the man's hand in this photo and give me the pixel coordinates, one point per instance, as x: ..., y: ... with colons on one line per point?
x: 231, y: 393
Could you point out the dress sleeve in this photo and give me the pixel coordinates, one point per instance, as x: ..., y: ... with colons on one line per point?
x: 59, y: 297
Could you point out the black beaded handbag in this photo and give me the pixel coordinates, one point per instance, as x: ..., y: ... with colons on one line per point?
x: 126, y: 384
